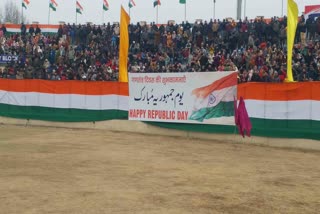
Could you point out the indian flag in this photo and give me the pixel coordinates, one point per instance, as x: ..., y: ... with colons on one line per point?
x: 215, y: 100
x: 156, y: 3
x: 105, y: 5
x: 25, y: 3
x: 290, y: 110
x: 79, y: 8
x: 53, y: 5
x: 131, y: 3
x: 63, y: 101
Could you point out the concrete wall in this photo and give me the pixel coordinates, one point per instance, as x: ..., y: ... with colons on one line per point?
x: 142, y: 128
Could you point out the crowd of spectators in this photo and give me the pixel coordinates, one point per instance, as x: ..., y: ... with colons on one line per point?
x: 254, y: 48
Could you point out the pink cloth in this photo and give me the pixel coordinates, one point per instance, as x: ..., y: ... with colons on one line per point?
x: 242, y: 119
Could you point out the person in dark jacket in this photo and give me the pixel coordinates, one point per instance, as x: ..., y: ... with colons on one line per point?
x: 31, y: 30
x: 4, y: 29
x: 38, y: 30
x: 23, y: 29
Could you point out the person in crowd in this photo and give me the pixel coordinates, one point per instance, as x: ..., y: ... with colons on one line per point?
x: 4, y: 30
x: 23, y: 29
x: 31, y: 30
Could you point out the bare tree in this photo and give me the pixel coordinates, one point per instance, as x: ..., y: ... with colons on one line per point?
x: 12, y: 13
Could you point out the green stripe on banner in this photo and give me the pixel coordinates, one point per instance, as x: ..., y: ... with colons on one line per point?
x: 308, y: 129
x: 304, y: 129
x: 60, y: 114
x: 223, y: 109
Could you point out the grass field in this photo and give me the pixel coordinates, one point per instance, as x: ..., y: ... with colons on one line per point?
x: 48, y: 170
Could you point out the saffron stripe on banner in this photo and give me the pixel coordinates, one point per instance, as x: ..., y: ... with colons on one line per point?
x: 15, y: 26
x: 280, y: 92
x: 65, y: 87
x: 284, y: 110
x: 224, y: 82
x: 67, y: 101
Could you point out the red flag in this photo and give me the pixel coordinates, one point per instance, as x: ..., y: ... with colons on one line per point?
x: 242, y: 119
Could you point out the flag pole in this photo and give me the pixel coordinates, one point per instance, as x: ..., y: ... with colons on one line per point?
x: 21, y: 11
x: 102, y: 16
x: 185, y: 12
x: 282, y: 9
x: 49, y: 13
x: 158, y: 14
x: 76, y: 14
x: 103, y: 12
x: 214, y: 9
x: 245, y: 8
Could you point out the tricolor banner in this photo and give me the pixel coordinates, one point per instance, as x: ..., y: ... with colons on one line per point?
x: 64, y: 101
x: 45, y: 29
x: 275, y: 110
x: 200, y: 98
x: 290, y: 110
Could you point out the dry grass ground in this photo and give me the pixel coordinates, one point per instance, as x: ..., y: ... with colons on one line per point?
x: 47, y: 170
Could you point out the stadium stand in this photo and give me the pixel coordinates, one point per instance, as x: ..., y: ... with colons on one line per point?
x: 255, y: 48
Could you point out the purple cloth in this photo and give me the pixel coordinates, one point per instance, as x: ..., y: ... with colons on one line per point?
x: 242, y: 119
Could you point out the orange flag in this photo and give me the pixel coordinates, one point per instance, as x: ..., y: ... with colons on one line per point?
x: 124, y: 46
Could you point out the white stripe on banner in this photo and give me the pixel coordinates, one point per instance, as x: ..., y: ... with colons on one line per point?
x: 222, y: 95
x: 284, y: 110
x: 75, y: 101
x: 43, y: 30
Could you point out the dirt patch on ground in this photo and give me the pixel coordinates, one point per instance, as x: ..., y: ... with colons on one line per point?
x: 48, y: 170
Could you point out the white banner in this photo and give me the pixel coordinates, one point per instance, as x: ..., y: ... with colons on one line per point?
x: 203, y: 98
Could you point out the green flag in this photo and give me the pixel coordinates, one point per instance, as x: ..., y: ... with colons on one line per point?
x: 183, y: 1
